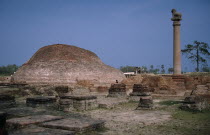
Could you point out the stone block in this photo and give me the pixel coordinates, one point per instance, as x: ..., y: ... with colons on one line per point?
x: 76, y: 102
x: 194, y: 103
x: 25, y: 121
x: 41, y: 101
x: 117, y: 90
x: 75, y: 124
x: 145, y: 103
x: 140, y: 90
x: 35, y: 130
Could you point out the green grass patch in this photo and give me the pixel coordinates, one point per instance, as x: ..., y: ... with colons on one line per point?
x: 169, y: 102
x: 192, y: 116
x: 130, y: 104
x: 188, y: 123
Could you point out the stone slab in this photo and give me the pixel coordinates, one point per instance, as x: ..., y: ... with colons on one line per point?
x: 75, y: 124
x: 40, y: 100
x: 23, y: 111
x: 24, y: 121
x: 35, y: 130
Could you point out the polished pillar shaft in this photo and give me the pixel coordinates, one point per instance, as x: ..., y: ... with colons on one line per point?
x: 176, y: 18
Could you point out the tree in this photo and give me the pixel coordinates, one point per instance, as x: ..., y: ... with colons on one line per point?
x: 196, y: 52
x: 206, y: 69
x: 151, y: 70
x: 127, y: 69
x: 156, y: 71
x: 8, y: 70
x: 144, y: 69
x: 170, y: 70
x: 162, y: 69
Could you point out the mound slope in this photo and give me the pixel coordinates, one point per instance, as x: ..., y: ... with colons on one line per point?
x: 62, y: 64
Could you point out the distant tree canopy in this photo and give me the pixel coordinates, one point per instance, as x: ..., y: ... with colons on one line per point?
x: 128, y: 69
x: 170, y: 70
x: 8, y: 70
x: 144, y: 69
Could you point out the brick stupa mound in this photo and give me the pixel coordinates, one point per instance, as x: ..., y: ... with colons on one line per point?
x: 63, y: 64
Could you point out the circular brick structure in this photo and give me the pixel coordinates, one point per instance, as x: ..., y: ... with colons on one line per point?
x: 64, y: 64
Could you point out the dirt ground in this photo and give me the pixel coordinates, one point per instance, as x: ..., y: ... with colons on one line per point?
x: 124, y: 119
x: 164, y: 119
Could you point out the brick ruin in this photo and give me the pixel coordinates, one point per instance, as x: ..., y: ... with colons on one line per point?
x: 65, y: 64
x: 117, y: 90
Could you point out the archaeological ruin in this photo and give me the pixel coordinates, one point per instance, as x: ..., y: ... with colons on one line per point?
x: 177, y: 17
x: 66, y: 90
x: 65, y: 64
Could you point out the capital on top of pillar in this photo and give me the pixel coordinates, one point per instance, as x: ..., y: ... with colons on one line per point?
x: 175, y: 15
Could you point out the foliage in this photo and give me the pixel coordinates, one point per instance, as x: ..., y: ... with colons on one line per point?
x: 151, y: 70
x: 206, y: 69
x: 162, y: 69
x: 196, y: 52
x: 170, y: 70
x: 145, y: 69
x: 127, y: 69
x: 142, y: 69
x: 8, y: 70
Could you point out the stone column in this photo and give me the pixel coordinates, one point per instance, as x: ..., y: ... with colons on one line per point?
x: 177, y: 17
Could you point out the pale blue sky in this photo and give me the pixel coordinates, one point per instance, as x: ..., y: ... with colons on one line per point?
x: 120, y: 32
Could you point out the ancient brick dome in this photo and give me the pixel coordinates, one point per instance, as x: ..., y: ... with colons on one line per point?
x: 62, y: 64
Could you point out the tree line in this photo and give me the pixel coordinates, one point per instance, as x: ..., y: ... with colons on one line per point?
x: 152, y: 69
x: 8, y: 70
x: 145, y: 69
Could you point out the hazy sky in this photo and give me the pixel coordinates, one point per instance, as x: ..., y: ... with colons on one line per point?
x: 120, y: 32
